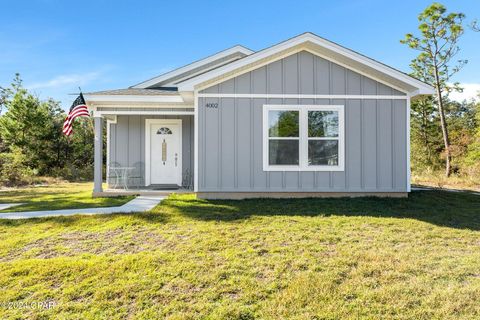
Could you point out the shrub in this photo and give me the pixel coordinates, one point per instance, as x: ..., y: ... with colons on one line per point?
x: 13, y: 171
x: 73, y: 173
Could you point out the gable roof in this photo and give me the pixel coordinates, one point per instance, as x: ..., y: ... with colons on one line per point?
x: 316, y: 45
x: 209, y: 63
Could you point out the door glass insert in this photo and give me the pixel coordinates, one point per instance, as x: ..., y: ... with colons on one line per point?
x: 164, y: 151
x: 164, y: 130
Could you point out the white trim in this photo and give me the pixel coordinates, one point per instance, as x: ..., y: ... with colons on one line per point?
x: 133, y: 106
x: 109, y: 122
x: 303, y: 138
x: 409, y: 169
x: 195, y: 144
x: 133, y: 112
x: 148, y: 123
x: 305, y: 38
x: 194, y: 65
x: 300, y: 96
x: 134, y: 98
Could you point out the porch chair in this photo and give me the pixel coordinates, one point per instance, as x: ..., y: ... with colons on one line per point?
x: 136, y: 176
x: 113, y: 175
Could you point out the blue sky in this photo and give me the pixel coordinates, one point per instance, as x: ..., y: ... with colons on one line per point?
x: 60, y: 45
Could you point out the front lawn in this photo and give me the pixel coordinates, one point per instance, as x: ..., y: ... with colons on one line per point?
x: 416, y: 258
x: 56, y: 197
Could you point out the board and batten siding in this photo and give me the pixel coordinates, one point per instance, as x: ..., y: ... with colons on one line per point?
x: 127, y: 143
x: 230, y: 136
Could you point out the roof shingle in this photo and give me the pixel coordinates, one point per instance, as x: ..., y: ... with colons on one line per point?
x: 134, y: 92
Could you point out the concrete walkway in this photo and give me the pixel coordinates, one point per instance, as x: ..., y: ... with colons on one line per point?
x: 4, y: 206
x: 139, y: 204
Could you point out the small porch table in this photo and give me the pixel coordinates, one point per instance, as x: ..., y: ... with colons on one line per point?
x: 122, y: 175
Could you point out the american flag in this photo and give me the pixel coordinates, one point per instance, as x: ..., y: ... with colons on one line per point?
x: 78, y: 109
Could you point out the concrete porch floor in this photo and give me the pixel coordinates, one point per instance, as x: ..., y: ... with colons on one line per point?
x: 138, y: 192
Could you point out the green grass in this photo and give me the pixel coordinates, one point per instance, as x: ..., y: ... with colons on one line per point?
x: 57, y: 196
x: 415, y: 258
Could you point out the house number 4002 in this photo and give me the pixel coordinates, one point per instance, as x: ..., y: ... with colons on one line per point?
x: 212, y: 105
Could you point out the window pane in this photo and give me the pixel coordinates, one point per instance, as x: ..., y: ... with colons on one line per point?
x: 283, y: 152
x: 283, y: 123
x: 322, y: 123
x: 164, y: 130
x: 322, y: 152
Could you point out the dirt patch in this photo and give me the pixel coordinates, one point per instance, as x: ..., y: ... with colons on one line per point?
x: 116, y: 241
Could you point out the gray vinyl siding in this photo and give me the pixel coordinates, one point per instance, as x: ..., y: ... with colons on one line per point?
x: 230, y: 136
x: 127, y: 143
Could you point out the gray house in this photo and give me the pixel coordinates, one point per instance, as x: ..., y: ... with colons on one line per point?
x: 305, y: 117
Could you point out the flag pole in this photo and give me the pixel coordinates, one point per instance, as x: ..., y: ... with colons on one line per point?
x: 79, y: 108
x: 90, y: 118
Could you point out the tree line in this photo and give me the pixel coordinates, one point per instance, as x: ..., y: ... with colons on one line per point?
x: 444, y: 133
x: 32, y: 144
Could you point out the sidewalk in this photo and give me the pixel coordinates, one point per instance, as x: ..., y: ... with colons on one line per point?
x: 139, y: 204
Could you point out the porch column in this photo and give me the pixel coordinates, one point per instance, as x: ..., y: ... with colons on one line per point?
x: 98, y: 155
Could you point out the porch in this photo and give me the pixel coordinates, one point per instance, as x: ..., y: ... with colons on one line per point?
x: 149, y: 151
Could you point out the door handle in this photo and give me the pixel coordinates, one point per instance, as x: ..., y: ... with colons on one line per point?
x: 176, y: 157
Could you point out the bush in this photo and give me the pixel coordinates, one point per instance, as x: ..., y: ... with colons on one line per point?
x: 437, y: 178
x: 73, y: 173
x: 472, y: 169
x: 13, y: 171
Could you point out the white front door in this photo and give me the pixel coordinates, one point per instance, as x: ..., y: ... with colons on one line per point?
x: 163, y: 151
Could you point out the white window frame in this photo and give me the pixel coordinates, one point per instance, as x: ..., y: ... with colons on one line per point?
x: 303, y: 137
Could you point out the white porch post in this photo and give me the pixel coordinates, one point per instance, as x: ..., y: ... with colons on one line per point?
x: 98, y: 155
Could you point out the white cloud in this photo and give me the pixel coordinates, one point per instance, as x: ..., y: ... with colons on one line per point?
x: 64, y: 87
x: 470, y: 91
x: 78, y: 79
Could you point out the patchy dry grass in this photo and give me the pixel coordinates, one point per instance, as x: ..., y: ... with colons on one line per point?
x: 56, y: 196
x: 438, y: 180
x: 416, y: 258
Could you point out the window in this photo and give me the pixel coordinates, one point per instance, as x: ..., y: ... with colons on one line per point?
x: 164, y: 130
x: 303, y: 138
x: 283, y: 135
x: 322, y: 138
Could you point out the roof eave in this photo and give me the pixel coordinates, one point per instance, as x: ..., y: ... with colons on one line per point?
x: 163, y: 77
x: 135, y: 98
x: 424, y: 91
